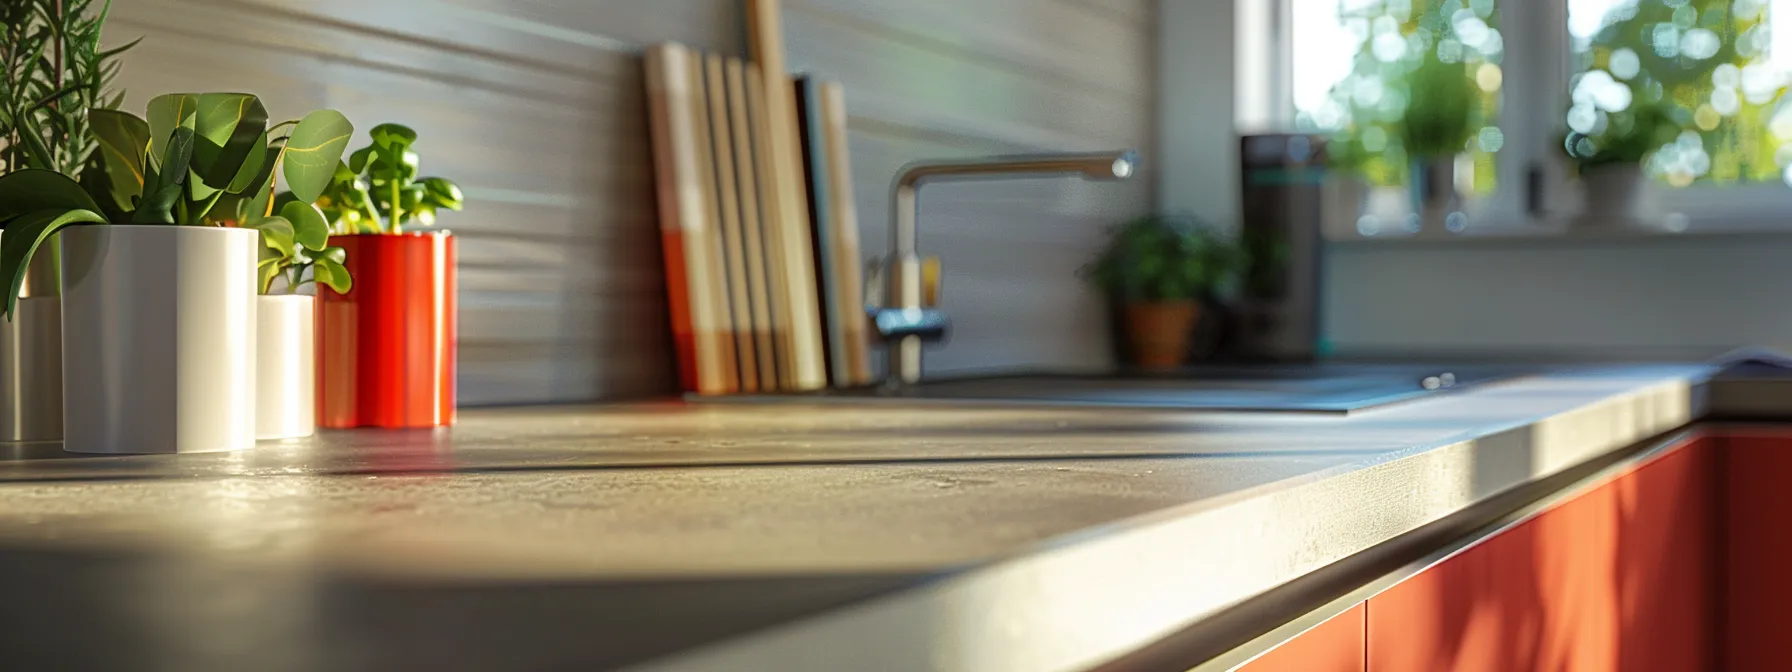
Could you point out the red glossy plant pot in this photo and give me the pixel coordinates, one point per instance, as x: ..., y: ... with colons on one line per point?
x: 385, y: 350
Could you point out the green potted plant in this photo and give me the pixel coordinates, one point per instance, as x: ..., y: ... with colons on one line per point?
x: 1610, y: 160
x: 388, y: 343
x: 296, y: 252
x: 52, y: 69
x: 158, y: 310
x: 1436, y: 127
x: 1161, y: 269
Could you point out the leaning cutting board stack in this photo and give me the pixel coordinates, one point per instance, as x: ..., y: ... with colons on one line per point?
x: 760, y: 238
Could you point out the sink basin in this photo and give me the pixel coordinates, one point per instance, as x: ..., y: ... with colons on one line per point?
x: 1327, y: 388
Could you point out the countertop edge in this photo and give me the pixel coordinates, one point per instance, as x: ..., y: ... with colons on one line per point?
x: 1073, y: 606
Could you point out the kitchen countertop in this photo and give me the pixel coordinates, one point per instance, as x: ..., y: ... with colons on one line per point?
x: 731, y: 537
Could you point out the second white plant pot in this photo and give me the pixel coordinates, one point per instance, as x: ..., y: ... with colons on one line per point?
x: 285, y: 366
x: 158, y: 338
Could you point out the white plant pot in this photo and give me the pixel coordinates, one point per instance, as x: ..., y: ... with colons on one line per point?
x: 285, y: 366
x: 158, y: 338
x: 1617, y: 195
x: 31, y: 371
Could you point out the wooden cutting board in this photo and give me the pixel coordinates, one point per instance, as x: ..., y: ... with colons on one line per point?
x: 675, y: 113
x: 848, y: 274
x: 792, y: 262
x: 746, y: 160
x: 740, y: 307
x: 771, y: 234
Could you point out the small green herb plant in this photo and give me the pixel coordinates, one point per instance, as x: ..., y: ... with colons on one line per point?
x: 192, y: 152
x: 1438, y: 121
x: 52, y: 70
x: 1629, y: 137
x: 1164, y: 258
x: 378, y: 191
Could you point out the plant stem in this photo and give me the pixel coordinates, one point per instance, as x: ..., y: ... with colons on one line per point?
x: 396, y: 208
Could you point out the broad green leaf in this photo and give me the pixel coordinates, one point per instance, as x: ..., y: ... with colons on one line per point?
x: 264, y: 177
x: 227, y: 127
x: 332, y: 253
x: 177, y: 162
x: 36, y: 189
x: 157, y: 207
x: 309, y: 227
x: 394, y: 138
x: 331, y: 273
x: 424, y: 214
x: 197, y: 189
x: 124, y: 148
x: 23, y: 236
x: 443, y: 193
x: 312, y: 152
x: 256, y: 208
x: 357, y: 161
x: 267, y: 267
x: 276, y: 233
x: 250, y: 170
x: 166, y: 113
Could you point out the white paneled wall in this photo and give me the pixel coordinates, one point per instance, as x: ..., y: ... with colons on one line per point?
x: 536, y: 108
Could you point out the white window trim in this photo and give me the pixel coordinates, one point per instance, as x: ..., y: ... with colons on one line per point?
x: 1537, y: 70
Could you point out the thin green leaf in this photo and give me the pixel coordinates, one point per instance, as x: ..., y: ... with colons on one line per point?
x: 33, y: 189
x: 312, y: 152
x: 23, y: 236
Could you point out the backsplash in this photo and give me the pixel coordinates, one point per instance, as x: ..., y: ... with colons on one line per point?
x: 538, y: 109
x: 1659, y: 297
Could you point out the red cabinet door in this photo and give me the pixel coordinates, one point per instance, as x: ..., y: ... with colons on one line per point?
x: 1335, y: 646
x: 1619, y: 578
x: 1759, y: 544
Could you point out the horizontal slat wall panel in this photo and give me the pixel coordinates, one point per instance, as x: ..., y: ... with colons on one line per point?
x: 536, y: 107
x: 936, y: 79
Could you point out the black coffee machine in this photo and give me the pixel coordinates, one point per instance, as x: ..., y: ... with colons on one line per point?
x: 1275, y: 315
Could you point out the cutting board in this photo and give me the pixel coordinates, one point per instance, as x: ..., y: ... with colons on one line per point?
x: 740, y: 306
x: 746, y: 160
x: 677, y: 117
x: 791, y: 253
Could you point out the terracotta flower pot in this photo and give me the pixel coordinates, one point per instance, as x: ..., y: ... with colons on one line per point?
x: 386, y: 349
x: 1160, y: 332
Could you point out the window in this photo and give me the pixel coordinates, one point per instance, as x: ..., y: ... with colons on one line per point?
x: 1696, y: 85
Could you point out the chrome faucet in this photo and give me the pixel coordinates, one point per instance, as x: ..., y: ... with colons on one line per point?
x: 907, y: 320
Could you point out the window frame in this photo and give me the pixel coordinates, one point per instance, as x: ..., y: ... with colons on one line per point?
x: 1537, y: 67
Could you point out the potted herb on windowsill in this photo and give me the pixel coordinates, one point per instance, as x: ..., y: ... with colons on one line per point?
x: 52, y: 70
x: 1435, y: 128
x: 158, y: 309
x: 1610, y: 161
x: 1162, y: 269
x: 387, y: 346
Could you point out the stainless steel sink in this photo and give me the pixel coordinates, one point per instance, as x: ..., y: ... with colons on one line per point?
x: 1326, y: 388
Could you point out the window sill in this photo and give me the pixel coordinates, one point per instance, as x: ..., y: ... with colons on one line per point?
x: 1574, y: 230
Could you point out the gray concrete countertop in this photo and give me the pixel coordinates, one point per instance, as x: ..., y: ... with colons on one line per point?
x: 789, y: 537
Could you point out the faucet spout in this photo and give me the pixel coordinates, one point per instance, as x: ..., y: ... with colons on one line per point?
x: 904, y: 264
